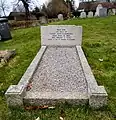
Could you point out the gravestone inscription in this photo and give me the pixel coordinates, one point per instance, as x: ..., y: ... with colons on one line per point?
x: 61, y: 34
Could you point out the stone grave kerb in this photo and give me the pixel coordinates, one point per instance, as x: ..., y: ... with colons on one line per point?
x: 59, y: 35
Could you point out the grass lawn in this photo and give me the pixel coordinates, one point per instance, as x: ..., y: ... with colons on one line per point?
x: 99, y: 42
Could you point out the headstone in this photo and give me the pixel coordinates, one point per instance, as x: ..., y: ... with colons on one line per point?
x: 61, y: 35
x: 114, y: 11
x: 43, y: 20
x: 90, y: 14
x: 83, y: 15
x: 100, y: 11
x: 4, y: 30
x: 110, y: 12
x: 60, y: 17
x: 97, y: 9
x: 103, y: 12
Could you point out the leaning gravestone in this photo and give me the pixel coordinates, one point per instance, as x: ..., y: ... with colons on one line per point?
x: 59, y: 73
x: 83, y: 15
x: 90, y: 14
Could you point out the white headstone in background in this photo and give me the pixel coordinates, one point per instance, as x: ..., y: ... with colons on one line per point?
x: 90, y: 14
x: 114, y: 11
x: 64, y: 35
x: 103, y: 12
x: 83, y: 15
x: 60, y: 17
x: 98, y: 9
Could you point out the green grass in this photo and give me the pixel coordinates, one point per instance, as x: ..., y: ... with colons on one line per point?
x: 99, y: 42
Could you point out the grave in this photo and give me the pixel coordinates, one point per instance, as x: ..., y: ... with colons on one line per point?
x: 83, y: 15
x: 100, y: 11
x: 59, y: 73
x: 103, y: 12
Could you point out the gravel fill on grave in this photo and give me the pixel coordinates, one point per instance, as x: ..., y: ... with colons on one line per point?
x: 59, y: 71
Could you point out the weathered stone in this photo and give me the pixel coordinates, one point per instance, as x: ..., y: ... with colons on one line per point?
x: 60, y: 17
x: 83, y: 15
x: 63, y: 35
x: 90, y: 14
x: 100, y: 11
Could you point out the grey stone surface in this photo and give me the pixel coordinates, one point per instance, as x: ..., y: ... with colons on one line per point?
x: 26, y: 78
x: 60, y: 70
x: 83, y: 15
x: 53, y: 98
x: 97, y: 94
x: 14, y: 95
x: 103, y: 12
x: 98, y: 98
x: 100, y: 11
x: 61, y: 35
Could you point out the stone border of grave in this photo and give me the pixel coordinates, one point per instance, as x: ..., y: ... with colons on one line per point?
x: 97, y: 95
x: 15, y: 93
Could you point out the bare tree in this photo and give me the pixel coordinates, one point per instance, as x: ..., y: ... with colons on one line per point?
x: 4, y: 6
x: 18, y: 8
x: 26, y: 6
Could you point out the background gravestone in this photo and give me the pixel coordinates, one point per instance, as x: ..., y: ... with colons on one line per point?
x: 83, y: 15
x: 113, y: 11
x: 103, y: 12
x: 60, y: 17
x: 98, y: 10
x: 90, y: 14
x: 4, y: 30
